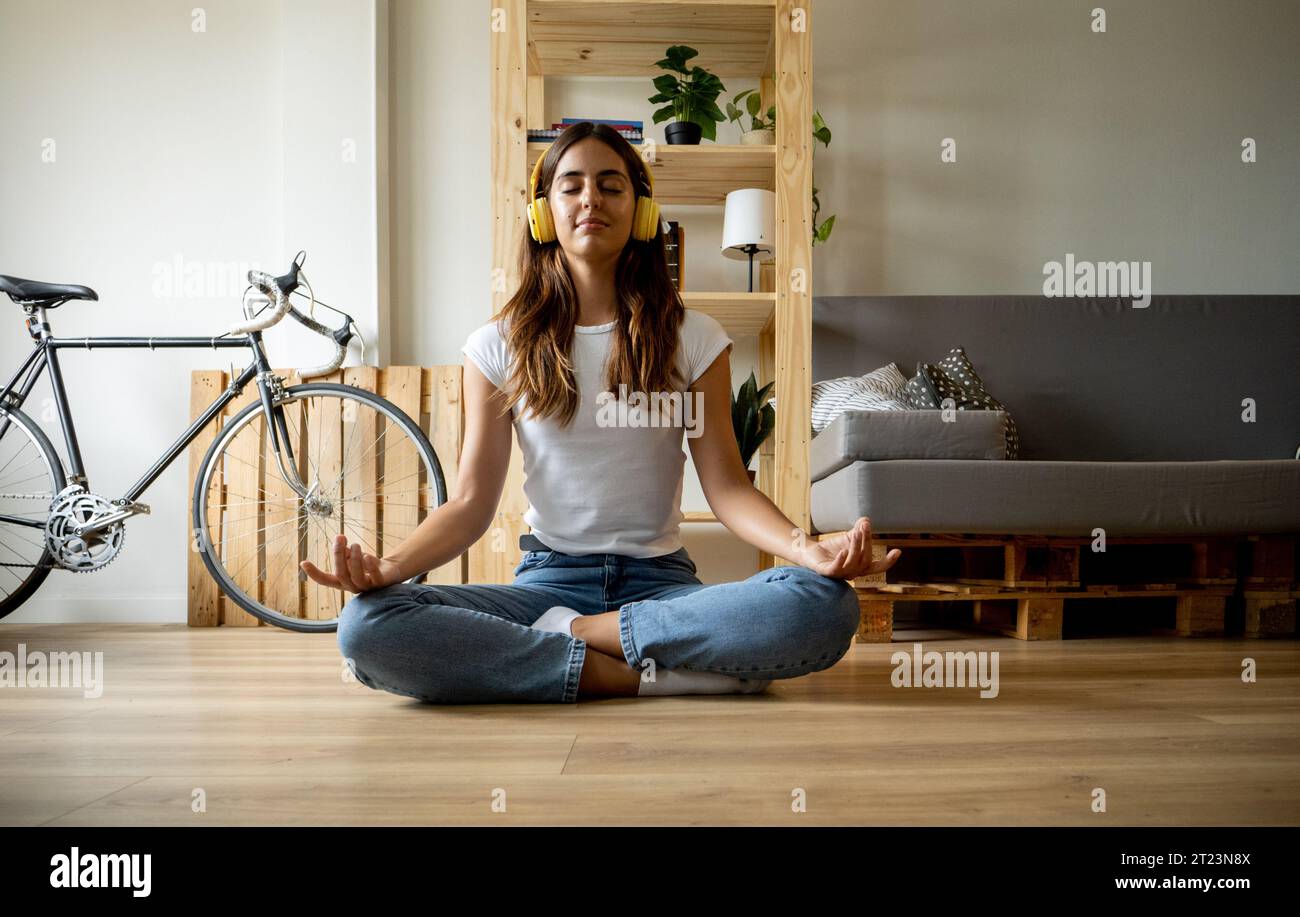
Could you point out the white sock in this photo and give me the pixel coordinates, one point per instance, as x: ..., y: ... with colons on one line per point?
x: 558, y: 618
x: 686, y: 681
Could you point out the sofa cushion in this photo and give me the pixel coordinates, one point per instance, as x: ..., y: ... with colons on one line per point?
x: 883, y: 435
x: 1229, y: 497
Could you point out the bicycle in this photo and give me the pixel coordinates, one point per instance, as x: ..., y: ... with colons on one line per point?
x: 234, y: 523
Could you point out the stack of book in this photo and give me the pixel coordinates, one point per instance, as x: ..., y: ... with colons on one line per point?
x: 674, y: 248
x: 631, y: 130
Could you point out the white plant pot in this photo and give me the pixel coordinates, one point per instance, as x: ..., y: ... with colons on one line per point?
x: 753, y: 138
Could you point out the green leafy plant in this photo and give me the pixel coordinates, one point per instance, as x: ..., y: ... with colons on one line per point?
x: 752, y: 104
x: 691, y: 97
x: 752, y: 418
x: 823, y: 133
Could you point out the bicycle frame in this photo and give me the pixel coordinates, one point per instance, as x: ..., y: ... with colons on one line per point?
x: 45, y: 354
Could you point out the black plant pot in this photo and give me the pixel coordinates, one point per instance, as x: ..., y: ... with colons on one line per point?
x: 683, y: 132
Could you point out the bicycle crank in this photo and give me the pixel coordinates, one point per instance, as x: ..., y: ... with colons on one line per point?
x: 84, y: 531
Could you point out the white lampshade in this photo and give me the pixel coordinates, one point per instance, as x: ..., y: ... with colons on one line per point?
x: 749, y: 219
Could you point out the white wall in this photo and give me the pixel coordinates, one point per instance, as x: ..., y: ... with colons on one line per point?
x: 214, y: 147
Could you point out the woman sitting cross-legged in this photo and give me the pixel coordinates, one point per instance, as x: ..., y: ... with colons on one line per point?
x: 601, y: 371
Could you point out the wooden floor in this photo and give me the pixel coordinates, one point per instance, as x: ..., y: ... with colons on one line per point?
x: 263, y: 723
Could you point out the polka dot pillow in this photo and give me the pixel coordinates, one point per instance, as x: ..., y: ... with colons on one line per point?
x: 954, y: 377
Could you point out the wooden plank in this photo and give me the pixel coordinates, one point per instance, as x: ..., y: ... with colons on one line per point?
x: 322, y: 432
x: 1014, y: 561
x: 1062, y: 565
x: 1215, y: 561
x: 1270, y: 614
x: 1272, y: 560
x: 493, y: 557
x: 740, y: 313
x: 403, y: 471
x: 512, y: 162
x: 361, y: 465
x: 242, y: 551
x: 877, y: 622
x: 1201, y: 614
x: 282, y: 590
x: 446, y: 432
x: 793, y: 321
x: 766, y: 478
x: 1039, y: 618
x: 204, y: 596
x: 618, y: 38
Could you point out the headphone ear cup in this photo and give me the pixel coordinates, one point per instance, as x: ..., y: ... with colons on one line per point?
x: 646, y: 219
x: 539, y: 221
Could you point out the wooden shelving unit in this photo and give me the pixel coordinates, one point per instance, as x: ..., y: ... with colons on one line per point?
x: 748, y: 39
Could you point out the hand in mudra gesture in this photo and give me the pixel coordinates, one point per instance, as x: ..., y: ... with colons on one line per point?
x: 354, y: 569
x: 847, y: 555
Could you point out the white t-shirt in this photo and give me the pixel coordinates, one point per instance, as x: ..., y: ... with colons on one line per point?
x: 611, y: 482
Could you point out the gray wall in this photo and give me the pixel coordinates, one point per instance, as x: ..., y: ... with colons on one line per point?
x: 1123, y: 145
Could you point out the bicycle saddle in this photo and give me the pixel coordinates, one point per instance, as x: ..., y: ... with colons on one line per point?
x: 47, y: 295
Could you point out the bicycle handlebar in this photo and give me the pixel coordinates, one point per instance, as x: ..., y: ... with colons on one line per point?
x: 267, y: 284
x: 278, y: 289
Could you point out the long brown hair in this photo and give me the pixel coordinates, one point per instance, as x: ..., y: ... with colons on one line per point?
x: 540, y: 316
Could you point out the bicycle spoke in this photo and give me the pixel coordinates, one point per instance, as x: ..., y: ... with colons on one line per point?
x: 295, y: 556
x: 297, y: 437
x: 291, y: 557
x: 348, y: 471
x: 254, y: 503
x: 39, y: 458
x: 380, y: 480
x: 32, y: 478
x: 35, y: 544
x: 19, y: 451
x: 254, y: 556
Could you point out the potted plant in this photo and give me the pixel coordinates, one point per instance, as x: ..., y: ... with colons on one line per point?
x: 761, y: 131
x: 691, y: 98
x: 752, y: 419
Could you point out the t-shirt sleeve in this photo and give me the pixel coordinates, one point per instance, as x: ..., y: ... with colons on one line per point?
x: 707, y: 339
x: 488, y: 351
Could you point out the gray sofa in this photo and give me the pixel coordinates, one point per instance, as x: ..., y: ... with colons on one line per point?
x: 1130, y: 419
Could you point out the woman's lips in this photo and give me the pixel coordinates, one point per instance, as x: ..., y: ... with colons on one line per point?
x: 595, y: 224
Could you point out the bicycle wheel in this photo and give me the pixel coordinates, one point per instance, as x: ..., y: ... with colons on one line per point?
x: 364, y: 469
x: 31, y: 474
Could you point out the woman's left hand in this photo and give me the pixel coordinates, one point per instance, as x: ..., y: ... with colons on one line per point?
x: 847, y: 555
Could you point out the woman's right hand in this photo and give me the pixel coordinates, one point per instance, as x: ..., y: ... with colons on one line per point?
x: 355, y: 570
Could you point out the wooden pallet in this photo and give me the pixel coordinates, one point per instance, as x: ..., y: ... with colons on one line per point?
x: 429, y: 395
x: 1022, y: 585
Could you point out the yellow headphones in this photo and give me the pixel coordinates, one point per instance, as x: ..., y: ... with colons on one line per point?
x: 645, y: 222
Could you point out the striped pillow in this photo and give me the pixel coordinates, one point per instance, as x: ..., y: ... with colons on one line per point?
x: 878, y: 390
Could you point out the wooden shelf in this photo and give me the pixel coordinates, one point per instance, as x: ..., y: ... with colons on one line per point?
x: 699, y: 517
x: 767, y: 43
x: 739, y: 313
x: 616, y: 38
x: 702, y: 173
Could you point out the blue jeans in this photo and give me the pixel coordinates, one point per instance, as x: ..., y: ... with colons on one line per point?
x: 468, y: 644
